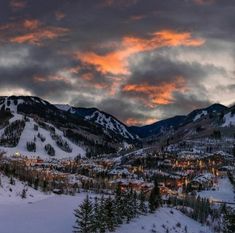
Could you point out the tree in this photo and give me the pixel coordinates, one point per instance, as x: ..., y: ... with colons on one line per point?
x: 23, y: 194
x: 12, y: 181
x: 142, y: 205
x: 110, y: 214
x: 155, y: 197
x: 99, y: 224
x: 84, y: 217
x: 31, y: 146
x: 119, y: 205
x: 50, y: 149
x: 229, y: 221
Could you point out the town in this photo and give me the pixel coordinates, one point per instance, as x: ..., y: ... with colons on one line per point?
x: 176, y: 174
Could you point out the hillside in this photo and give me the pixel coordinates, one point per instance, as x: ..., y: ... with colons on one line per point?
x: 164, y: 220
x: 32, y: 126
x: 105, y: 120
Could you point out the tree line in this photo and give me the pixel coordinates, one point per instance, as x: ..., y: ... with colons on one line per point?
x: 106, y: 214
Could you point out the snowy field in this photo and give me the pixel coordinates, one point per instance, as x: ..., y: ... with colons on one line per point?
x: 55, y: 215
x: 41, y: 213
x: 223, y: 191
x: 10, y: 194
x: 51, y: 215
x: 164, y: 220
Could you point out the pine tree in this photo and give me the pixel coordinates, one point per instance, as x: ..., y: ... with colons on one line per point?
x: 99, y: 216
x: 12, y: 181
x: 229, y: 221
x: 129, y: 206
x: 110, y: 214
x: 84, y: 217
x: 135, y: 204
x: 119, y: 205
x: 23, y: 194
x: 155, y: 197
x: 142, y: 205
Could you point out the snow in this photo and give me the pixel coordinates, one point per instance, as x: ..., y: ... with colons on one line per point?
x: 229, y: 119
x: 164, y: 216
x: 224, y: 191
x: 51, y: 215
x: 110, y: 123
x: 28, y: 135
x: 11, y: 194
x: 63, y: 107
x: 198, y: 116
x: 55, y: 215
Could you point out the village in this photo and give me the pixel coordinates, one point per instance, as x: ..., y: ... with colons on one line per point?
x: 177, y: 174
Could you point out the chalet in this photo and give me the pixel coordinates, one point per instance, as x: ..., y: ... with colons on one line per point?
x: 203, y: 181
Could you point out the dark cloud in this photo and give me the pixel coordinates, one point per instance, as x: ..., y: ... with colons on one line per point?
x: 183, y: 104
x: 74, y: 51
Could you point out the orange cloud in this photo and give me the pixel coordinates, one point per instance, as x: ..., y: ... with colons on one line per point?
x: 51, y: 78
x: 39, y: 79
x: 155, y: 95
x: 204, y: 2
x: 59, y: 15
x: 31, y: 24
x: 122, y: 3
x: 116, y: 62
x: 110, y: 63
x: 137, y: 17
x: 36, y: 37
x: 18, y: 4
x: 133, y: 121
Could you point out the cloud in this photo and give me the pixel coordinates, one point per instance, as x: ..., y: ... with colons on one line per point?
x: 155, y: 95
x: 31, y: 24
x: 17, y: 4
x: 204, y: 2
x: 59, y: 15
x: 30, y: 31
x: 116, y: 62
x: 40, y: 35
x: 183, y: 104
x: 139, y: 60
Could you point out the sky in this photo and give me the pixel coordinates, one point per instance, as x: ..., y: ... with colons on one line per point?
x: 139, y: 60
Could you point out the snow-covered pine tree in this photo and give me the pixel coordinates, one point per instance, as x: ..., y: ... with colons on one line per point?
x: 228, y: 220
x: 130, y: 213
x: 119, y: 205
x: 84, y: 217
x: 110, y: 217
x: 99, y: 225
x: 142, y: 205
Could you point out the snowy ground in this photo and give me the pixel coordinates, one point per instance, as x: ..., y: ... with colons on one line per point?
x: 11, y: 194
x: 165, y: 218
x: 29, y: 134
x: 223, y: 191
x: 55, y: 215
x: 52, y: 215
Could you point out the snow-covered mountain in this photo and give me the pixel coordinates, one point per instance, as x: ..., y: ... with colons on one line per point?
x: 229, y: 118
x: 34, y: 127
x: 207, y: 117
x: 107, y: 121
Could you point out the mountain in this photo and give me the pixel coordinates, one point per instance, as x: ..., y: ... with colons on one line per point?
x: 105, y: 120
x: 211, y: 111
x: 229, y: 117
x: 32, y: 126
x: 157, y: 127
x: 191, y: 121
